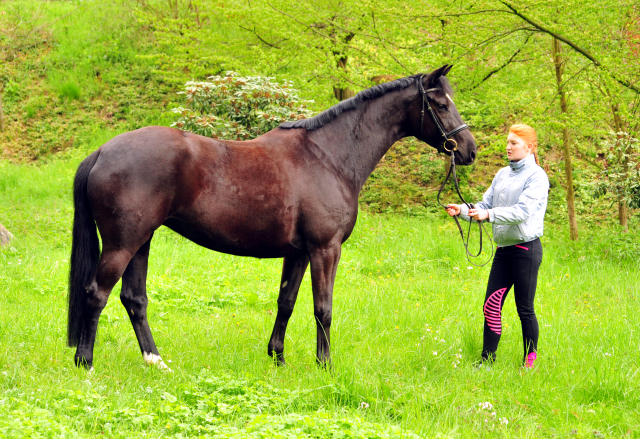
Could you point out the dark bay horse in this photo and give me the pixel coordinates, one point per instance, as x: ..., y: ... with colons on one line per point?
x: 291, y: 193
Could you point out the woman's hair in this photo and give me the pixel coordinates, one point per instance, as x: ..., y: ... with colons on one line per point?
x: 528, y: 134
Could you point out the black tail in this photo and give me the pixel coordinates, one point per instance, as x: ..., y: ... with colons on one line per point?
x: 85, y: 249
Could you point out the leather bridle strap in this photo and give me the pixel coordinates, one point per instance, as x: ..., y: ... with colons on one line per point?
x: 481, y: 229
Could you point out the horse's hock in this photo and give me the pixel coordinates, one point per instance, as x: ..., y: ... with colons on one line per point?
x: 5, y: 236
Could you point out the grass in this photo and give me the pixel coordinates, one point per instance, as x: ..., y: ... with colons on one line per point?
x: 406, y: 331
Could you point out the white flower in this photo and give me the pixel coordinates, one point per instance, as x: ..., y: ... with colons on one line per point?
x: 504, y: 421
x: 456, y: 268
x: 364, y: 405
x: 435, y: 352
x: 469, y: 268
x: 486, y: 405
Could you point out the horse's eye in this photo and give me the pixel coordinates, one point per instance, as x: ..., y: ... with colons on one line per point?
x: 442, y: 107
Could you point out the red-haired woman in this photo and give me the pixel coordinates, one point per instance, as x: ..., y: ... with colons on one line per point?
x: 515, y: 205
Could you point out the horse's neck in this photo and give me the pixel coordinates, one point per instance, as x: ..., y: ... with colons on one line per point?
x: 357, y: 140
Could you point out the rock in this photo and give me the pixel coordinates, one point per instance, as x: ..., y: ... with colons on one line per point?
x: 5, y: 236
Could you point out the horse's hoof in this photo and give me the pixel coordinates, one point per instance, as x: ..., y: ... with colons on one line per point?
x: 278, y: 358
x: 155, y: 360
x: 82, y: 362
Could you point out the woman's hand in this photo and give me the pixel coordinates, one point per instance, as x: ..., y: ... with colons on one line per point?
x: 478, y: 214
x: 453, y: 209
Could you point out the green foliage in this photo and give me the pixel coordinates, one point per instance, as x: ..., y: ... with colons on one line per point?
x: 238, y: 108
x: 621, y: 176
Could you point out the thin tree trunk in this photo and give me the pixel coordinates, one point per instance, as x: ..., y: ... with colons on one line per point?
x: 566, y: 145
x: 1, y: 113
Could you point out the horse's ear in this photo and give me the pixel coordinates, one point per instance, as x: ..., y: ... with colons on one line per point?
x: 433, y: 77
x: 447, y: 70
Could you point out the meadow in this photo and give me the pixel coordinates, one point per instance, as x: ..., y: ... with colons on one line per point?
x: 406, y: 332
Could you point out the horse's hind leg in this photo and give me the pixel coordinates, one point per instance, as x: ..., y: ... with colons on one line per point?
x: 293, y: 269
x: 324, y: 264
x: 134, y: 298
x: 110, y: 267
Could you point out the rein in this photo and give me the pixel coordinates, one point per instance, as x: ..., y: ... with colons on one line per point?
x: 442, y: 148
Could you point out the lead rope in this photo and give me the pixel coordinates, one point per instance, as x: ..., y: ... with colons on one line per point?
x: 452, y: 171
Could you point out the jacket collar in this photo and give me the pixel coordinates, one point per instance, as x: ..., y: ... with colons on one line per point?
x: 521, y: 164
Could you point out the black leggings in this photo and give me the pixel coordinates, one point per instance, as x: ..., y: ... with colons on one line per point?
x: 517, y: 266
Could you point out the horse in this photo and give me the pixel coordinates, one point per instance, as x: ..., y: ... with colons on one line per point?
x: 291, y: 193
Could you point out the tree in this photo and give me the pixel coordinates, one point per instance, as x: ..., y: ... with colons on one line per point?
x: 566, y: 141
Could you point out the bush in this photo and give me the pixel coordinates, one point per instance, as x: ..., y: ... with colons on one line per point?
x: 621, y: 175
x: 238, y: 108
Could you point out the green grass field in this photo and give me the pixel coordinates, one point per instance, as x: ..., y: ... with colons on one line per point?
x: 406, y: 330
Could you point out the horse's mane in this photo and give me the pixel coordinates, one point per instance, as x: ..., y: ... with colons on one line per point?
x: 318, y: 121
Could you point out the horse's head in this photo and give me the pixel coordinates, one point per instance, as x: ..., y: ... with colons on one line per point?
x: 439, y: 123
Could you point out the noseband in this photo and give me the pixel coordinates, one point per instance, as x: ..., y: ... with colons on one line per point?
x: 446, y: 137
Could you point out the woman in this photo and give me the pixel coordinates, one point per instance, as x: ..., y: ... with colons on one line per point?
x: 515, y: 204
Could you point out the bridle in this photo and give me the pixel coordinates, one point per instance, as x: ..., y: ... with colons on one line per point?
x: 442, y: 148
x: 446, y: 137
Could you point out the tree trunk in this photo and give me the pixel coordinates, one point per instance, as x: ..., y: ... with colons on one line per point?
x: 1, y: 114
x: 343, y: 93
x: 568, y: 169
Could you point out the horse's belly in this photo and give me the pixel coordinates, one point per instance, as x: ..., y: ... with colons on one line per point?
x: 237, y: 239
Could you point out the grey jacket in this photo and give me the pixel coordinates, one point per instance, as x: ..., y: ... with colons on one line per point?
x: 516, y: 201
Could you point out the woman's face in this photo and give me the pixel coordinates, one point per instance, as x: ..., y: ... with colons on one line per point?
x: 517, y: 148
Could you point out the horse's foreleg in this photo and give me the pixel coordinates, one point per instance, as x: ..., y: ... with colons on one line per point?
x: 324, y: 263
x: 293, y: 269
x: 109, y: 270
x: 134, y: 299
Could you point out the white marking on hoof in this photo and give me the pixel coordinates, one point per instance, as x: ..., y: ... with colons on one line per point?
x: 91, y: 370
x: 284, y: 284
x: 155, y: 360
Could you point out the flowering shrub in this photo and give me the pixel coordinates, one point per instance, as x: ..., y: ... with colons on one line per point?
x: 238, y: 108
